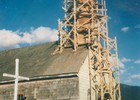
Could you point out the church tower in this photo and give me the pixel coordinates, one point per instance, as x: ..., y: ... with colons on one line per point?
x: 85, y: 24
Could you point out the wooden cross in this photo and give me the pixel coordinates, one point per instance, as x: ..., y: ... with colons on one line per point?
x: 17, y: 77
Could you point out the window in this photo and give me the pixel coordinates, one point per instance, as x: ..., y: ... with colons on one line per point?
x: 21, y: 97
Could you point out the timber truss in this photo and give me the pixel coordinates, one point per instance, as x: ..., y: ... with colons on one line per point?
x: 85, y: 23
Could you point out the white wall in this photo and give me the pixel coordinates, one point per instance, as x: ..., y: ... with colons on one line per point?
x: 84, y: 85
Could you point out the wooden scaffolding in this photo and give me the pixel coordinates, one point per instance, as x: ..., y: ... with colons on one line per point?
x: 85, y: 24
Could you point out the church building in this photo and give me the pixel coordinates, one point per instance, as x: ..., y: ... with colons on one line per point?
x: 81, y: 65
x: 52, y: 77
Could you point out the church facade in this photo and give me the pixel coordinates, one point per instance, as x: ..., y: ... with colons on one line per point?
x: 52, y: 77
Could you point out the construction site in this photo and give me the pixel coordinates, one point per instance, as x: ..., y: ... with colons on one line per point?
x: 81, y: 65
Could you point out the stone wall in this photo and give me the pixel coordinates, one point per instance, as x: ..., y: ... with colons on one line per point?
x: 54, y: 89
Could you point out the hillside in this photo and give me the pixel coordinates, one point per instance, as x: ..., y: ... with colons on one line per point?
x: 130, y: 92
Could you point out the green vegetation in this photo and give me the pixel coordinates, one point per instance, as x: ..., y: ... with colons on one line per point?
x: 130, y: 92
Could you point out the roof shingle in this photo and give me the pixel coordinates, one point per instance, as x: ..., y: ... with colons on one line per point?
x: 38, y: 61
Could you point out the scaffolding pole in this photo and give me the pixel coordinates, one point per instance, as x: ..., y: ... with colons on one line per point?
x: 85, y: 23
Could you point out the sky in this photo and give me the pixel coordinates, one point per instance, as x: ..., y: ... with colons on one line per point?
x: 30, y: 22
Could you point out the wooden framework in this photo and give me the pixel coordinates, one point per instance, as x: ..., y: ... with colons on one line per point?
x: 85, y: 23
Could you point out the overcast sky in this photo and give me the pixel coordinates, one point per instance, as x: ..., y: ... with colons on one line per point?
x: 30, y: 22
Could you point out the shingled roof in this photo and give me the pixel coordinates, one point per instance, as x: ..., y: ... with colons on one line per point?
x: 38, y: 61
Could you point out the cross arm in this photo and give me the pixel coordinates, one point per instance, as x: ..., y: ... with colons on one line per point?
x: 13, y: 76
x: 9, y: 75
x: 24, y: 78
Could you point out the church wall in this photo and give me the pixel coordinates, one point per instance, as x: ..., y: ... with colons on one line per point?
x: 84, y: 85
x: 53, y: 89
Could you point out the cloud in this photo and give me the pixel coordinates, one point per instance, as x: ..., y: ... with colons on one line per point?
x: 39, y: 35
x: 125, y: 29
x: 9, y: 39
x: 137, y: 62
x: 113, y: 62
x: 109, y: 17
x: 125, y: 60
x: 12, y: 39
x: 137, y: 26
x: 135, y: 76
x: 121, y: 64
x: 128, y: 81
x: 122, y: 71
